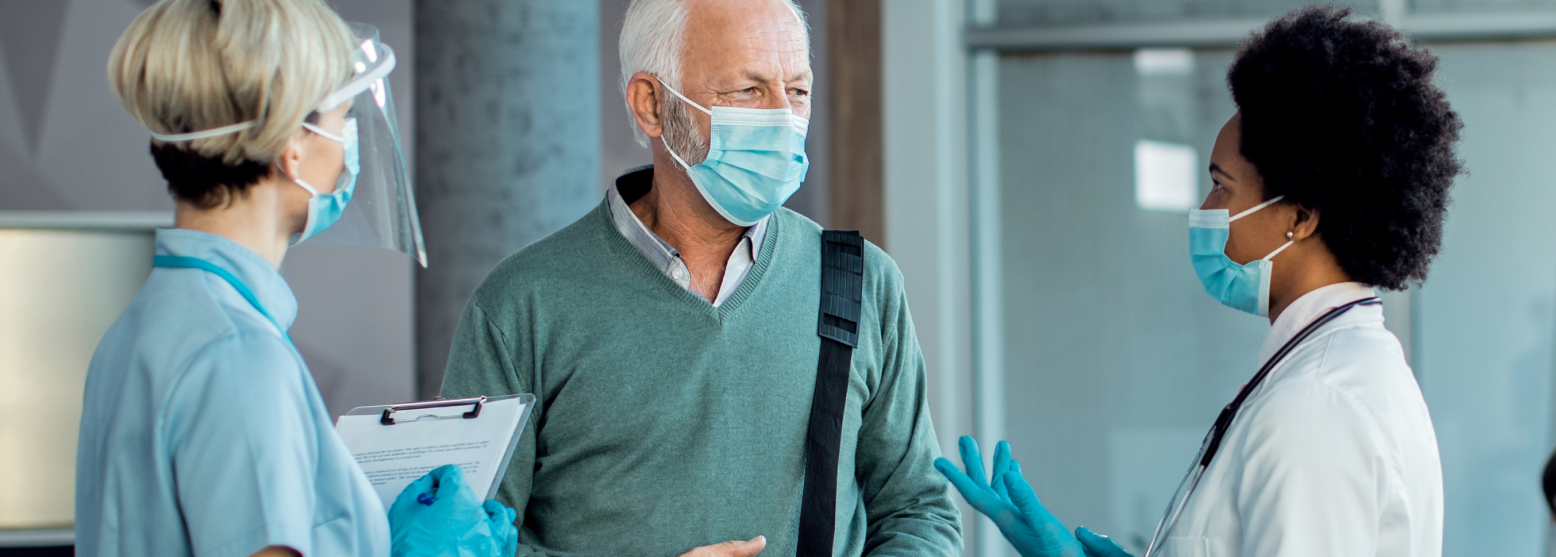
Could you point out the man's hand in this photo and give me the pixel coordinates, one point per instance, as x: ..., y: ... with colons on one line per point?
x: 747, y: 548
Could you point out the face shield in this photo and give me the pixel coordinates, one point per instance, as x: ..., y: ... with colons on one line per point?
x: 382, y: 211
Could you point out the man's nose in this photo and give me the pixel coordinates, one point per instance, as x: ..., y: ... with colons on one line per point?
x: 777, y: 97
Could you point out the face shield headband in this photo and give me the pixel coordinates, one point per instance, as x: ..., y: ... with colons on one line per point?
x: 382, y: 210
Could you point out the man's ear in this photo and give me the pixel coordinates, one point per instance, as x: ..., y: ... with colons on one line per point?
x: 644, y: 102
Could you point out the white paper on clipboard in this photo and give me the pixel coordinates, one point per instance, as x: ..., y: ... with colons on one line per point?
x: 396, y: 444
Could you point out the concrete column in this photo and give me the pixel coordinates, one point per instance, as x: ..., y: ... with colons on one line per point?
x: 507, y: 144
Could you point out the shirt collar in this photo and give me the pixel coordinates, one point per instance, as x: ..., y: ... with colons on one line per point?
x: 255, y: 271
x: 1308, y: 308
x: 633, y: 185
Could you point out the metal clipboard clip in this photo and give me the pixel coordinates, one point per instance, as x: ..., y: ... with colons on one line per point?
x: 388, y: 417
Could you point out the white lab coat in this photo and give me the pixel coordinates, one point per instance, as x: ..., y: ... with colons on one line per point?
x: 1334, y: 455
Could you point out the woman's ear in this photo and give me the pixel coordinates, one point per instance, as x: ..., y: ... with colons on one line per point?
x: 290, y: 163
x: 1306, y: 223
x: 644, y: 102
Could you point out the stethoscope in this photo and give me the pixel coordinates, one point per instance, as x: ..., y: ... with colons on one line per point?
x: 1207, y: 449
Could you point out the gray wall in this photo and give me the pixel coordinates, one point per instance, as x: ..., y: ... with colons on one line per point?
x: 509, y: 145
x: 66, y: 144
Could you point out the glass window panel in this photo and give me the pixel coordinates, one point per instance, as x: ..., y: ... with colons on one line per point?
x: 1117, y: 362
x: 63, y: 291
x: 1485, y: 316
x: 1018, y: 13
x: 1441, y: 6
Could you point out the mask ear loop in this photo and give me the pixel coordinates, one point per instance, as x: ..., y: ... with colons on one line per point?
x: 321, y: 133
x: 662, y: 139
x: 298, y: 181
x: 683, y: 98
x: 1277, y: 251
x: 324, y: 134
x: 1257, y: 207
x: 670, y: 150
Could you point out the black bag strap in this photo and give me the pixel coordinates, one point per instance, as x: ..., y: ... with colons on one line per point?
x: 842, y: 292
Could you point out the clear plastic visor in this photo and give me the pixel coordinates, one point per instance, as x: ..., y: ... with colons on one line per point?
x: 382, y: 211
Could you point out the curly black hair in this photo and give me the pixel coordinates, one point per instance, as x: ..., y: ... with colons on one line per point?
x: 1341, y: 116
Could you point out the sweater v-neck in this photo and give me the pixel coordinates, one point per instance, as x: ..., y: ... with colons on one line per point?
x: 634, y: 259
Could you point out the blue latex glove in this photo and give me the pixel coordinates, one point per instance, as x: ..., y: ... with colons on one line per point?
x: 1098, y: 545
x: 439, y: 516
x: 1010, y: 503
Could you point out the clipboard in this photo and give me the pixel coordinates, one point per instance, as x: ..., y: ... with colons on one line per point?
x: 395, y: 444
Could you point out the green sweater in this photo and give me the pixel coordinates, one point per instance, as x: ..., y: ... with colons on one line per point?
x: 663, y: 423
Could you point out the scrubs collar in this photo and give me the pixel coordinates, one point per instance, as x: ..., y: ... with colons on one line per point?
x: 1309, y: 307
x: 253, y: 269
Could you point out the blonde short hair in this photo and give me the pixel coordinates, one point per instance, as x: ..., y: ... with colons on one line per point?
x: 193, y: 65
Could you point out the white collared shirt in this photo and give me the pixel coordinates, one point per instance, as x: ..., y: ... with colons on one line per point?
x: 1308, y: 308
x: 1334, y: 454
x: 668, y: 259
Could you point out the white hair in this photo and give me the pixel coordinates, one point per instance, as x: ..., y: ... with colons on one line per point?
x: 651, y: 41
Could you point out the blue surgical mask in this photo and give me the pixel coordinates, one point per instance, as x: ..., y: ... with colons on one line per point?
x: 325, y: 209
x: 756, y: 160
x: 1242, y: 287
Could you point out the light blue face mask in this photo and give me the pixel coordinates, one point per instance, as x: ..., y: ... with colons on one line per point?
x: 1242, y: 287
x: 325, y: 209
x: 756, y: 160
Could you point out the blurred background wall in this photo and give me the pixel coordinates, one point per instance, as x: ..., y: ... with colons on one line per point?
x: 1027, y: 163
x: 66, y: 145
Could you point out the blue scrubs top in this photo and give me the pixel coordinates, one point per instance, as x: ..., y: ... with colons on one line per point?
x: 202, y: 432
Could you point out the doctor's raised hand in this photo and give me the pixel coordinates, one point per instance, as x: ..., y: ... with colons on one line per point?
x: 1011, y: 503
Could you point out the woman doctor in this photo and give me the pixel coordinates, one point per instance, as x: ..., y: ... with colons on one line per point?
x: 202, y: 431
x: 1331, y: 179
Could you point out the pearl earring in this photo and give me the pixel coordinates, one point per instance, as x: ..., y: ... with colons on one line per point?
x: 1288, y: 235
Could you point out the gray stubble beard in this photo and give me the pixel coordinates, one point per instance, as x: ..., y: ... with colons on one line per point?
x: 682, y: 135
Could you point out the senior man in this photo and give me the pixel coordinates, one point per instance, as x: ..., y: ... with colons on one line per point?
x: 671, y: 335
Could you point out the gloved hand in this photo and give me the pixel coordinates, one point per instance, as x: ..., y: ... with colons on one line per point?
x: 1010, y: 503
x: 439, y: 516
x: 1098, y: 545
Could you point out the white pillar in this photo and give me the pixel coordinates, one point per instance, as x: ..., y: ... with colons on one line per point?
x: 507, y: 144
x: 924, y: 112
